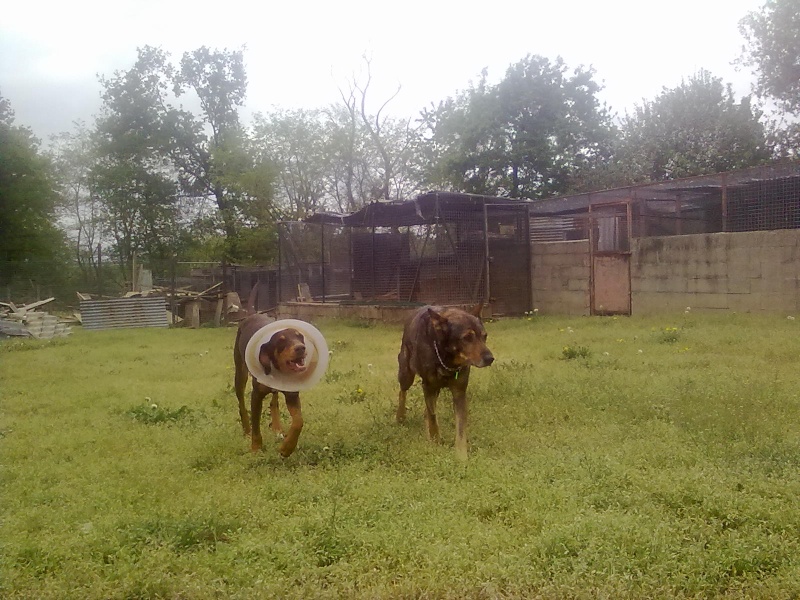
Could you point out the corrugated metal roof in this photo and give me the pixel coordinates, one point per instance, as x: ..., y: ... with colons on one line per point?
x: 120, y: 313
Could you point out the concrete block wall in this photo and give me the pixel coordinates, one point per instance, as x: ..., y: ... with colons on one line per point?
x: 756, y: 271
x: 560, y: 277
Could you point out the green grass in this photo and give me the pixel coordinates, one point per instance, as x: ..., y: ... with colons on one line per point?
x: 658, y: 458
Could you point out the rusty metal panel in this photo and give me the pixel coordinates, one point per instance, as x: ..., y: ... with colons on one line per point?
x: 611, y: 283
x: 121, y: 313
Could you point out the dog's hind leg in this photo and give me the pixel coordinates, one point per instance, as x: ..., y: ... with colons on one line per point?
x: 240, y: 383
x: 296, y: 426
x: 431, y: 395
x: 275, y: 416
x: 256, y: 403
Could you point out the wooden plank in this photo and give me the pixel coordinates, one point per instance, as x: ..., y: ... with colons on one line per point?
x: 213, y: 287
x: 33, y: 305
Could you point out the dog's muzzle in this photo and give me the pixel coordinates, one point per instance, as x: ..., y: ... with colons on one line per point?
x: 487, y: 358
x: 298, y: 363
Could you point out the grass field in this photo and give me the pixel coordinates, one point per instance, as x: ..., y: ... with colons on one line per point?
x: 609, y: 458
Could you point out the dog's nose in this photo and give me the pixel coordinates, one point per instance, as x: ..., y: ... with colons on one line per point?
x: 488, y: 358
x: 300, y: 349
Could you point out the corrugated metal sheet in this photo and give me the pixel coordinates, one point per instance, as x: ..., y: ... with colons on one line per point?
x: 119, y: 313
x: 556, y: 229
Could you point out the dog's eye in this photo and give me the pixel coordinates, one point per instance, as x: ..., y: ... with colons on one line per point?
x: 469, y: 336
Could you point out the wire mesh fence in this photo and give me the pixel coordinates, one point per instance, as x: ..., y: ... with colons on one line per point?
x: 756, y: 199
x: 457, y: 256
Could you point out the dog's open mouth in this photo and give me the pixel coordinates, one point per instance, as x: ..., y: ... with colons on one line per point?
x: 298, y: 365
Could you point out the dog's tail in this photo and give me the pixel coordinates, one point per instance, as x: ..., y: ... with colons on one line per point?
x: 252, y: 299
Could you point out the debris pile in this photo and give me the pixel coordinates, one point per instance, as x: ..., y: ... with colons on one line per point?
x: 27, y: 321
x: 187, y: 307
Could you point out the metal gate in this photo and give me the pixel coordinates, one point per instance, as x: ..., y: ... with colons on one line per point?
x: 609, y: 246
x: 508, y: 252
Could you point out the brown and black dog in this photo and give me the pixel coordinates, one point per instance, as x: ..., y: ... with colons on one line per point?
x: 440, y: 345
x: 286, y: 352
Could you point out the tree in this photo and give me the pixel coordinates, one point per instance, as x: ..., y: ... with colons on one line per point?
x: 694, y: 129
x: 130, y: 174
x: 220, y: 165
x: 31, y: 246
x: 80, y: 210
x: 528, y: 136
x: 373, y: 154
x: 221, y: 186
x: 773, y: 51
x: 338, y: 158
x: 296, y: 143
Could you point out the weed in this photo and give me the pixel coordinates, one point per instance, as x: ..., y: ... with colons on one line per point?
x: 185, y: 534
x: 354, y: 396
x: 332, y: 376
x: 153, y: 414
x: 669, y: 335
x: 572, y: 352
x: 513, y: 365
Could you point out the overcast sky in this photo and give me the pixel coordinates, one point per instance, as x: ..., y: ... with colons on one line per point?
x: 298, y: 53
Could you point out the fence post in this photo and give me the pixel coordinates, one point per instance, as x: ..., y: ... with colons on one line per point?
x: 280, y: 265
x: 174, y: 285
x: 322, y: 257
x: 487, y: 290
x: 724, y: 202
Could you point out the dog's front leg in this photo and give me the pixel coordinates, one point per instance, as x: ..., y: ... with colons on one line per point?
x: 460, y: 410
x: 275, y: 416
x: 295, y: 427
x: 431, y: 393
x: 256, y: 403
x: 458, y: 387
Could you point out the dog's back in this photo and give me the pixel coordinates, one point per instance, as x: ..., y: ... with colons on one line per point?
x: 247, y: 328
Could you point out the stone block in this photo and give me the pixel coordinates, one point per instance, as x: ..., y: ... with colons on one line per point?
x: 738, y: 285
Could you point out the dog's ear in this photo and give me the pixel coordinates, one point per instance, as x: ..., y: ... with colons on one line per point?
x: 266, y: 354
x: 476, y: 310
x: 438, y: 320
x: 265, y: 358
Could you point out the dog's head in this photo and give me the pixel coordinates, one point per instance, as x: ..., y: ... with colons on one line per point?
x: 285, y: 351
x: 462, y: 336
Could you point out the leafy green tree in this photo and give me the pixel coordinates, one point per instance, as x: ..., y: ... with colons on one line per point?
x: 528, y: 136
x: 212, y: 152
x: 221, y: 187
x: 32, y: 248
x: 695, y: 128
x: 137, y: 188
x: 773, y: 51
x: 296, y: 143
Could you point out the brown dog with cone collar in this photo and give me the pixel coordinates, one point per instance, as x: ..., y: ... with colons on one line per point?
x: 440, y: 345
x: 285, y: 352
